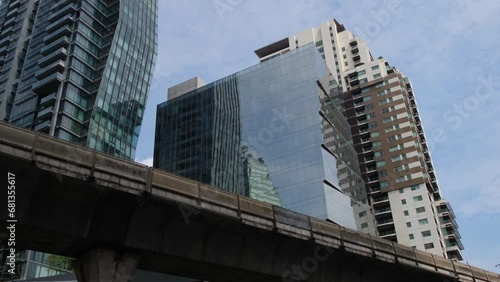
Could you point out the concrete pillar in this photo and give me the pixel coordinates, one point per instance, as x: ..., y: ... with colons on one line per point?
x: 101, y: 265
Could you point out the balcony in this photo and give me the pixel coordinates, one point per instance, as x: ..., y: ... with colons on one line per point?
x: 362, y: 122
x: 59, y: 23
x: 60, y: 43
x: 354, y: 82
x: 365, y: 140
x: 55, y: 56
x: 43, y: 126
x: 387, y: 233
x: 382, y: 211
x: 10, y: 22
x: 49, y: 99
x: 385, y: 222
x: 381, y: 200
x: 4, y: 42
x: 355, y: 50
x: 63, y: 31
x: 353, y: 43
x: 3, y: 51
x: 356, y: 58
x: 369, y: 160
x: 360, y: 114
x: 50, y: 69
x: 64, y: 11
x: 452, y: 243
x: 6, y: 32
x: 370, y: 169
x: 12, y: 13
x: 367, y: 150
x: 14, y: 4
x: 49, y: 84
x: 45, y: 114
x: 357, y: 105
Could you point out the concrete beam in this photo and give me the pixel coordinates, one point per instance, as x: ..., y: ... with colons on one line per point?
x: 101, y: 265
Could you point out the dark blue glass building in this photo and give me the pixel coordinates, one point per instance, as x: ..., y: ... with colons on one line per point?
x: 86, y: 69
x: 271, y: 132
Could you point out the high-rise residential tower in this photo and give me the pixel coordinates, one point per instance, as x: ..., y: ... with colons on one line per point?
x: 16, y: 23
x: 270, y: 132
x: 86, y: 71
x: 388, y: 135
x: 79, y: 70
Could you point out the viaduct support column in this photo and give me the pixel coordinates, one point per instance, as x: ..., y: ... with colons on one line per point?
x: 101, y: 265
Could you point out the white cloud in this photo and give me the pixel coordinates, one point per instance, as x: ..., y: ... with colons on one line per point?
x: 148, y: 161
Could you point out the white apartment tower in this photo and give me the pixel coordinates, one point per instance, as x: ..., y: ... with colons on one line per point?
x: 388, y: 135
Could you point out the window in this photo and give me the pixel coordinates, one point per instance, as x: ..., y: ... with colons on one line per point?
x: 421, y: 210
x: 382, y: 173
x: 401, y: 191
x: 345, y: 56
x: 343, y: 48
x: 418, y: 199
x: 377, y: 75
x: 406, y: 213
x: 411, y: 236
x: 398, y: 158
x: 403, y: 178
x: 376, y: 144
x: 375, y: 67
x: 395, y: 137
x: 378, y: 154
x: 415, y: 187
x: 423, y: 221
x: 388, y: 119
x: 429, y: 246
x: 408, y: 224
x: 362, y: 214
x: 426, y: 233
x: 381, y: 163
x: 361, y: 72
x: 374, y: 134
x: 392, y: 128
x: 370, y: 116
x: 369, y: 107
x: 402, y: 168
x: 403, y: 201
x: 372, y: 125
x: 384, y: 184
x: 364, y: 225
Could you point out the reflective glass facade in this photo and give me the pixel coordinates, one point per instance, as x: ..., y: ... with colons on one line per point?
x: 270, y: 132
x: 16, y: 23
x: 87, y: 72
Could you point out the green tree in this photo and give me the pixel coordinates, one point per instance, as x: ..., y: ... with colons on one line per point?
x: 59, y: 262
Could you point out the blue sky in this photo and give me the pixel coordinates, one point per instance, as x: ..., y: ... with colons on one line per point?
x: 449, y: 49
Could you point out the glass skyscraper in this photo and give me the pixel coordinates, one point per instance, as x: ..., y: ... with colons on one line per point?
x: 79, y: 70
x: 271, y: 132
x: 86, y: 72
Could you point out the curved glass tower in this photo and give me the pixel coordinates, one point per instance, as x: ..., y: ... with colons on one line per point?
x: 87, y: 73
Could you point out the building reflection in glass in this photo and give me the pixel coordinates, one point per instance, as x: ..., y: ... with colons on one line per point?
x: 270, y: 132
